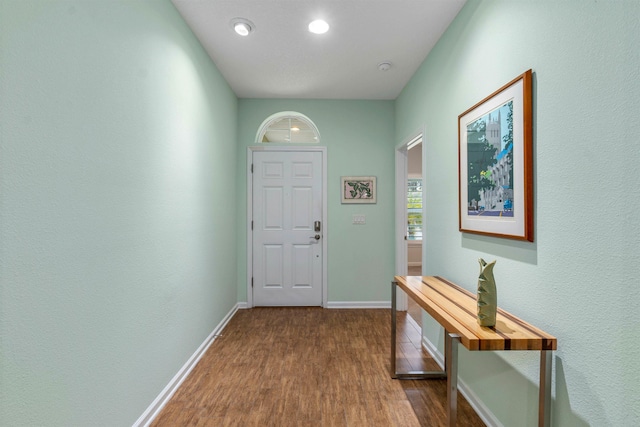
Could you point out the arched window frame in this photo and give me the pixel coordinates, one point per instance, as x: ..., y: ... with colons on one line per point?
x: 274, y: 118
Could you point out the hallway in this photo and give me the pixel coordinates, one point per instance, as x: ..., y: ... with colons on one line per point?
x: 311, y: 367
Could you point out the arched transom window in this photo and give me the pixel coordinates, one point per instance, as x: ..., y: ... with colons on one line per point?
x: 288, y: 127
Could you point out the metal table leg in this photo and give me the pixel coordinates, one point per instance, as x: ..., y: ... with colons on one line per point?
x: 544, y: 402
x: 393, y: 330
x: 411, y: 375
x: 451, y: 360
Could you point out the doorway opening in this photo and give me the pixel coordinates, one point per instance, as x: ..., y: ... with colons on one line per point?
x: 414, y: 219
x: 409, y: 217
x: 287, y: 214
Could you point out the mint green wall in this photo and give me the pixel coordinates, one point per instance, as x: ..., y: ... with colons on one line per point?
x: 117, y: 258
x: 579, y: 280
x: 357, y: 135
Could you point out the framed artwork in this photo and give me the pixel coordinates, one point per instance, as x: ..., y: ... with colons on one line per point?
x: 358, y: 189
x: 495, y: 163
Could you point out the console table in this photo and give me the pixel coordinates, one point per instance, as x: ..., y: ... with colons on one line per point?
x: 455, y: 309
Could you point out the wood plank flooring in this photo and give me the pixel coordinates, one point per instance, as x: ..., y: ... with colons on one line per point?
x: 311, y: 367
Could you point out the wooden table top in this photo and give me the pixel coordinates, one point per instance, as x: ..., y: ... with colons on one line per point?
x: 455, y: 309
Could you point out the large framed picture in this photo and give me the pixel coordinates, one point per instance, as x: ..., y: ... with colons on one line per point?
x: 495, y: 151
x: 358, y: 189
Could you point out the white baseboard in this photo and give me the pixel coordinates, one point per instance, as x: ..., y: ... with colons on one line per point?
x: 359, y: 304
x: 342, y: 304
x: 163, y: 398
x: 483, y: 412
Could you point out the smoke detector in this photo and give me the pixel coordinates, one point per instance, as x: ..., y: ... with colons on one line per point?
x: 384, y: 66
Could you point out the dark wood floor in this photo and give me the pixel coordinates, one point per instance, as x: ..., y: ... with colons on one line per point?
x: 311, y: 367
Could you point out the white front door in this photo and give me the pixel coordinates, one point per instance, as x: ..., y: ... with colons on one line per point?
x: 287, y: 228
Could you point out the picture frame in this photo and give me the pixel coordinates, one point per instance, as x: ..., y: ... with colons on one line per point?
x: 495, y: 163
x: 358, y: 189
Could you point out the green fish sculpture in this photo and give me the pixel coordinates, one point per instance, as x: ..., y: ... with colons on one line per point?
x: 487, y: 295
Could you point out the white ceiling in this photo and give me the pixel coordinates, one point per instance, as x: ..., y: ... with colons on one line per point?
x: 282, y: 59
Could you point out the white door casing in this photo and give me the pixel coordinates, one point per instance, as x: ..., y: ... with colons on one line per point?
x: 401, y: 221
x: 287, y: 256
x: 402, y: 171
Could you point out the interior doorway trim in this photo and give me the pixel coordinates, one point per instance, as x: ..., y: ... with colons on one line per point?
x: 325, y: 223
x: 402, y: 170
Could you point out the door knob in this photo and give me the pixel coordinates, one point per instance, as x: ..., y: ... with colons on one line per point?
x: 317, y: 237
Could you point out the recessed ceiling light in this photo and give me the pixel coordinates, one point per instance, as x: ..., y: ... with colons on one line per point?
x: 242, y: 26
x: 318, y: 26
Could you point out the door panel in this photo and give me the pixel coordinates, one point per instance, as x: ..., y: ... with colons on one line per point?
x: 287, y: 199
x: 302, y: 266
x: 273, y: 212
x: 272, y: 266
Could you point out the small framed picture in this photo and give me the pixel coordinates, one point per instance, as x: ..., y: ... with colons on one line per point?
x: 358, y: 189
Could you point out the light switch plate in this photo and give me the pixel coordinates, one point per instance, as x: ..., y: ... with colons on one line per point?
x: 359, y: 219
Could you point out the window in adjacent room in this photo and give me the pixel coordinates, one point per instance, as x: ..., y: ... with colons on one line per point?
x: 414, y: 209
